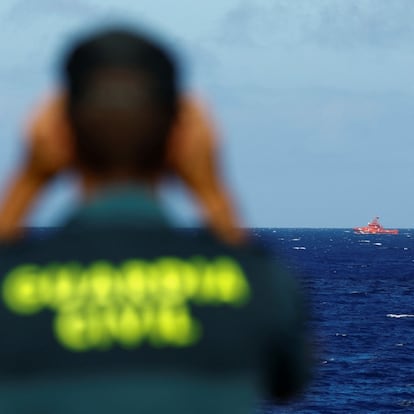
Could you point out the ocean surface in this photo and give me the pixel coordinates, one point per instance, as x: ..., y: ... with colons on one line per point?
x: 361, y: 289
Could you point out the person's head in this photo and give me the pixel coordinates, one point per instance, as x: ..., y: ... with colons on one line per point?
x: 122, y: 100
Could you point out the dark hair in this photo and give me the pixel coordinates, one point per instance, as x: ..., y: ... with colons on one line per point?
x: 122, y: 100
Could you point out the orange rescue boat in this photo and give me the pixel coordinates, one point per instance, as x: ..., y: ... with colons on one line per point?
x: 374, y: 227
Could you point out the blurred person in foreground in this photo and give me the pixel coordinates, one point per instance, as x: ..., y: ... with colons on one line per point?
x: 118, y: 311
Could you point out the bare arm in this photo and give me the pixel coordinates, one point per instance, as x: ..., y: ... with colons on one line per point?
x: 48, y: 152
x: 22, y: 191
x: 193, y: 156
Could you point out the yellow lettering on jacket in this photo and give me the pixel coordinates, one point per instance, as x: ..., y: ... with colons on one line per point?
x: 103, y: 304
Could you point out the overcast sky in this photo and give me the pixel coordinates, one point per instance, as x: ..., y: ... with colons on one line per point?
x: 314, y: 98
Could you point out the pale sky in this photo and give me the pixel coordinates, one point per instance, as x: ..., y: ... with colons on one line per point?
x: 313, y: 98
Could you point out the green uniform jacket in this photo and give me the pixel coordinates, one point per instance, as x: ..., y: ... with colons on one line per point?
x: 117, y: 312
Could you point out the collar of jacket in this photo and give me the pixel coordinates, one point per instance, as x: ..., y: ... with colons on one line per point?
x: 133, y: 206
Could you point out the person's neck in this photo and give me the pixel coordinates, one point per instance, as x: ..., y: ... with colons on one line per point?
x: 92, y: 185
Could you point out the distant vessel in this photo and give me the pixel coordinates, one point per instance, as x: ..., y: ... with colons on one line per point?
x: 374, y: 227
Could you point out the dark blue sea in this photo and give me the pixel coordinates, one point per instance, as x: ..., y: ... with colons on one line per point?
x: 361, y: 289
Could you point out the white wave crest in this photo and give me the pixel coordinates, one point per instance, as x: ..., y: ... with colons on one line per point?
x: 402, y: 315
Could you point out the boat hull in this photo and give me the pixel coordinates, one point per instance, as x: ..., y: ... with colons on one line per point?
x: 362, y: 230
